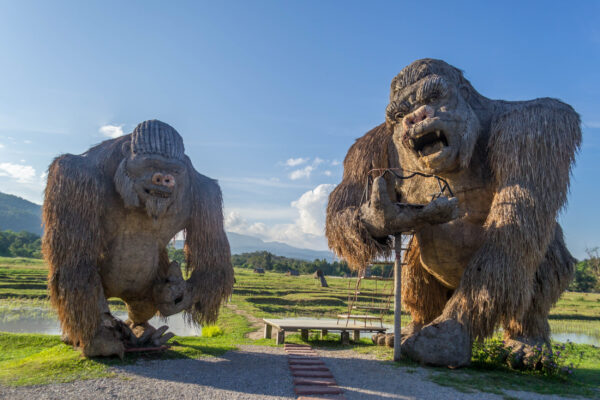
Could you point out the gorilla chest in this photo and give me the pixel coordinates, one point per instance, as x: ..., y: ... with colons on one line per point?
x: 131, y: 262
x: 447, y: 249
x: 131, y: 266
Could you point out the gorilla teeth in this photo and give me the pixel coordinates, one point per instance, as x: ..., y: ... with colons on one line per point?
x: 412, y: 142
x: 438, y: 133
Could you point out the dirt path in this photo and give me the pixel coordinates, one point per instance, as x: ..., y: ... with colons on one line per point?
x: 255, y: 323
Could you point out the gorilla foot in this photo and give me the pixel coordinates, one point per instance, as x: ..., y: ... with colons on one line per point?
x: 444, y: 342
x: 527, y: 353
x: 110, y: 338
x: 145, y: 335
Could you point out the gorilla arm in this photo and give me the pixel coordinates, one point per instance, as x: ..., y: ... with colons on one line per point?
x: 346, y: 234
x: 72, y: 244
x: 531, y: 150
x: 207, y: 251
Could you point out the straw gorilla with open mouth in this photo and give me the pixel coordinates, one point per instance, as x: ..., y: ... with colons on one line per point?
x: 109, y: 215
x: 493, y: 255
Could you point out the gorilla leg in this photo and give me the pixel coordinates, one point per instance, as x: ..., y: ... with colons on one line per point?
x: 551, y: 279
x: 422, y: 295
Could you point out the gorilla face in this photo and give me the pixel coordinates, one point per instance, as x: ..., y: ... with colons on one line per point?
x: 152, y: 181
x: 433, y: 125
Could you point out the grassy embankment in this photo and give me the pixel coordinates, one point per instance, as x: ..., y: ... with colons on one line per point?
x: 38, y: 359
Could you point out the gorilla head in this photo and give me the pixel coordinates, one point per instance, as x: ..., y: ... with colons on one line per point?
x: 432, y: 116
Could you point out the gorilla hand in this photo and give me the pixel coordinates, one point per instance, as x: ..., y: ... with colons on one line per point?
x: 381, y: 217
x: 174, y: 294
x: 444, y: 342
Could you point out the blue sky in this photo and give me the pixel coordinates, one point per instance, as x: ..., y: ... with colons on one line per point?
x: 269, y: 95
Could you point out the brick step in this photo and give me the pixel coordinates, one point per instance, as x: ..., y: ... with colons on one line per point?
x: 317, y: 389
x: 312, y: 374
x: 324, y: 397
x: 302, y: 357
x: 315, y: 381
x: 308, y: 368
x: 316, y: 361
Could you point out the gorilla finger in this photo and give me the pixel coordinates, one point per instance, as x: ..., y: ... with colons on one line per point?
x: 163, y: 339
x: 379, y: 194
x: 159, y: 332
x: 146, y: 336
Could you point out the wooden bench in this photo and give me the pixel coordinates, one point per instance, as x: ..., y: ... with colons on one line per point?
x: 324, y: 325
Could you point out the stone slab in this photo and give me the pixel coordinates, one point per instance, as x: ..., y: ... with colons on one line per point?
x: 316, y: 389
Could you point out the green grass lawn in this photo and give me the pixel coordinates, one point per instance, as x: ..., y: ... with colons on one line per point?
x: 36, y: 359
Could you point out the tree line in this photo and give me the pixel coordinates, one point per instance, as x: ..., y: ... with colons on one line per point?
x: 27, y: 244
x: 271, y: 262
x: 20, y: 244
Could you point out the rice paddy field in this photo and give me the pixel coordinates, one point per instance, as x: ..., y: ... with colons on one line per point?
x: 33, y: 358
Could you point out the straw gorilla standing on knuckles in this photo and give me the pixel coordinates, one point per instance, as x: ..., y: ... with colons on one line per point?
x: 494, y: 254
x: 109, y: 215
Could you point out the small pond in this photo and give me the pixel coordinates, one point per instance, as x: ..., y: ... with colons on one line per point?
x: 43, y: 320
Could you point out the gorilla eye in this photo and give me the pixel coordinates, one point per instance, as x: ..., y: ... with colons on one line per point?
x: 396, y: 110
x: 434, y: 95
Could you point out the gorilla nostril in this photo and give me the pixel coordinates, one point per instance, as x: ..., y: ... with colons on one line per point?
x: 169, y: 181
x: 157, y: 179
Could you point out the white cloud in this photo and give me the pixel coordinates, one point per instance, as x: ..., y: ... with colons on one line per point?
x: 294, y: 162
x: 327, y: 173
x: 302, y: 173
x: 27, y: 141
x: 311, y: 207
x: 22, y: 173
x: 307, y: 229
x: 318, y: 161
x: 1, y: 146
x: 335, y: 162
x: 592, y: 124
x: 111, y: 131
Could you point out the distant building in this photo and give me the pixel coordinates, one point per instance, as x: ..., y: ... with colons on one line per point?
x: 259, y: 270
x: 292, y: 272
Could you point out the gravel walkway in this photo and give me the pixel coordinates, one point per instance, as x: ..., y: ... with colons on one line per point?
x: 253, y: 372
x: 364, y: 377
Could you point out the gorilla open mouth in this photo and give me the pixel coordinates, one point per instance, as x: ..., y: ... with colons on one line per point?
x: 429, y: 143
x: 158, y: 193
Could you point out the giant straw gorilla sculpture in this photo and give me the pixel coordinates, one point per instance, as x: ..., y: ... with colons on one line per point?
x: 492, y: 255
x: 109, y: 214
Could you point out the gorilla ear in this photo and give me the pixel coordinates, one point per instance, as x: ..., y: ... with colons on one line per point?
x: 464, y: 92
x: 126, y: 148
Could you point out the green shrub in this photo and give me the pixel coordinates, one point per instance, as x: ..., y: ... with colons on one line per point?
x: 211, y: 331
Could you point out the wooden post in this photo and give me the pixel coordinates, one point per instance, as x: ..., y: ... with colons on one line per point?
x: 280, y: 336
x: 304, y: 334
x: 397, y: 295
x: 268, y: 331
x: 356, y: 335
x: 345, y: 337
x: 323, y: 333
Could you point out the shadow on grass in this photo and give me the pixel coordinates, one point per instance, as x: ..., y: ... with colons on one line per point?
x: 575, y: 317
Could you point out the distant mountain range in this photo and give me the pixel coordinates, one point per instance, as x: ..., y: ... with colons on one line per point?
x: 17, y: 214
x: 249, y: 244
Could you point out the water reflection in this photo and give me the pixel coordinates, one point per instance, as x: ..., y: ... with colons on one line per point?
x: 43, y: 320
x: 36, y: 320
